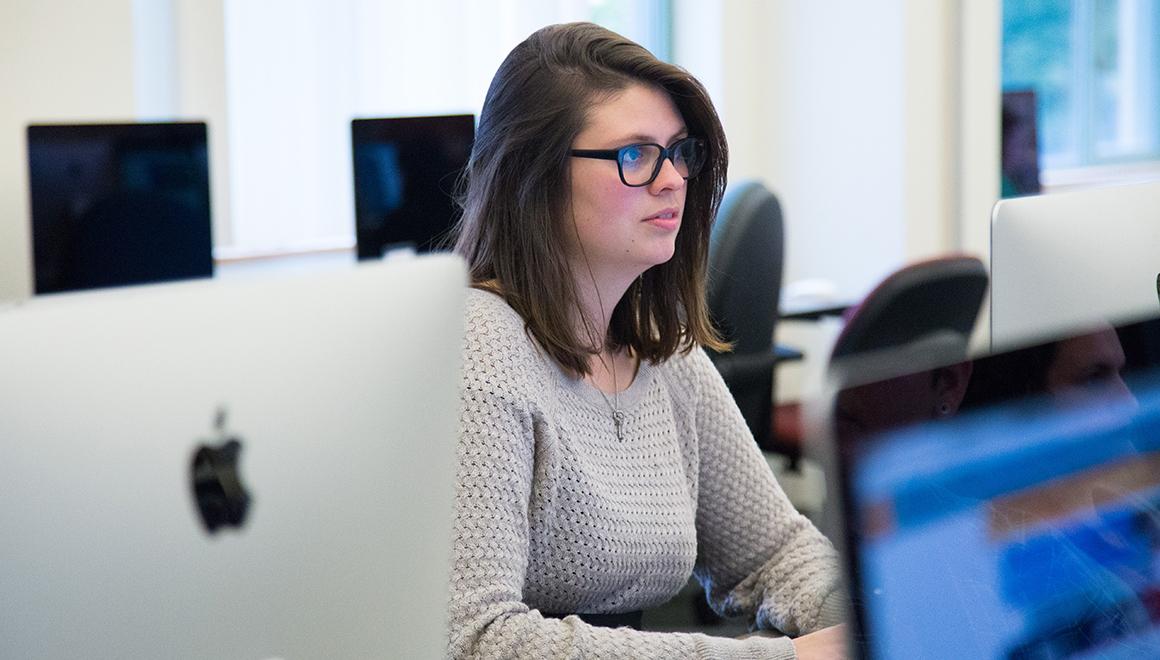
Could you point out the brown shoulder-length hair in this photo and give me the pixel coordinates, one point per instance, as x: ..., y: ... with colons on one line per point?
x: 514, y: 195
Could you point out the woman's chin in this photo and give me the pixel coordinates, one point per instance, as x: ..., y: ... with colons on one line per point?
x: 661, y: 254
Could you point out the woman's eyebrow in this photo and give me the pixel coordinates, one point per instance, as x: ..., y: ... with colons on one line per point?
x: 641, y: 137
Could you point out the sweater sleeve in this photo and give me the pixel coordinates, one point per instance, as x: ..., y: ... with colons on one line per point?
x: 757, y: 556
x: 487, y: 617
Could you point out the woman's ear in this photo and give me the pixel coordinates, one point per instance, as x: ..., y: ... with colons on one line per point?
x: 950, y: 385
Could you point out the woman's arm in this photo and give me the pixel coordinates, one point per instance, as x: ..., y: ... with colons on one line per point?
x: 757, y: 556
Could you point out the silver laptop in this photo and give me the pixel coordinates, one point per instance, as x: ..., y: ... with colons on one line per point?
x: 259, y: 469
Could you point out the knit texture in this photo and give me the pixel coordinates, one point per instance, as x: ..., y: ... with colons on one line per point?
x: 555, y: 514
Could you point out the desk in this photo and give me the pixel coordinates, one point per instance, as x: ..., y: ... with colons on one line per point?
x: 812, y: 310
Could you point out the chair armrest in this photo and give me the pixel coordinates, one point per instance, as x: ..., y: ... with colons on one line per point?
x: 745, y: 369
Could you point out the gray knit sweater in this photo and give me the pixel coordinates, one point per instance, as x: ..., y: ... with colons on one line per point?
x: 555, y: 514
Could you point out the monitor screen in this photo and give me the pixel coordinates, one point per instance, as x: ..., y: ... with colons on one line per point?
x: 118, y: 204
x: 405, y: 171
x: 1006, y: 507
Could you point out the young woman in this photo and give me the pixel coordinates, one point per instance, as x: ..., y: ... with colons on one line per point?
x: 601, y: 458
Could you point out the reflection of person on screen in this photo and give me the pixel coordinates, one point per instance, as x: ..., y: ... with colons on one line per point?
x: 1086, y: 365
x: 601, y: 458
x: 878, y: 406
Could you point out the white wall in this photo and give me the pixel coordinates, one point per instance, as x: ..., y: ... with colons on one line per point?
x: 875, y: 122
x: 200, y: 59
x: 62, y: 60
x: 980, y: 35
x: 927, y: 134
x: 812, y: 98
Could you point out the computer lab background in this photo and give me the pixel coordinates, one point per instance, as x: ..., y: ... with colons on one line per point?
x: 876, y: 124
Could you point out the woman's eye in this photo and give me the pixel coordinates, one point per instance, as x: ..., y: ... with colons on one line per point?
x: 631, y: 155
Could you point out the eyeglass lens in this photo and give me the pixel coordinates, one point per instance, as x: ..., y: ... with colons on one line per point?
x: 640, y: 163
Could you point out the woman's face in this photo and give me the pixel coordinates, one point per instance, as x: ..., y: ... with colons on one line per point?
x: 620, y: 230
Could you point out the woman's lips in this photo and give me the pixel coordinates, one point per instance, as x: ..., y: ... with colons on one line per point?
x: 665, y: 219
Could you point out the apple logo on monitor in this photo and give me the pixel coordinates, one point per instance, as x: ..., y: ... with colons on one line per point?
x: 221, y: 498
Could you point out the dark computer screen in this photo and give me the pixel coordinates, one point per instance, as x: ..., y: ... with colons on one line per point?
x: 405, y: 171
x: 118, y: 204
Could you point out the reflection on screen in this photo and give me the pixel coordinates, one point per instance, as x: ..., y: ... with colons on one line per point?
x: 1027, y: 525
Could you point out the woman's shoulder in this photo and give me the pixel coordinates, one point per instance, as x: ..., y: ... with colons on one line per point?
x: 488, y: 312
x: 689, y: 372
x: 691, y: 363
x: 496, y: 335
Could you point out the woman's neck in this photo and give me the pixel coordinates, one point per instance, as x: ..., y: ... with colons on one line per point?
x: 597, y: 294
x: 611, y: 370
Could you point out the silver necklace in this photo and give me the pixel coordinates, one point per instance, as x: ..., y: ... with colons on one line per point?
x: 618, y: 416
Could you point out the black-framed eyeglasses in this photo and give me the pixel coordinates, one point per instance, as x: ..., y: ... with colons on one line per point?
x: 639, y: 164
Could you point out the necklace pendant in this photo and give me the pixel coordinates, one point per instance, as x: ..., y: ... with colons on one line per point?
x: 618, y: 420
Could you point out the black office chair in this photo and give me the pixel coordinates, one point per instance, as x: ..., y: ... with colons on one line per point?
x: 923, y: 314
x: 938, y: 297
x: 745, y: 268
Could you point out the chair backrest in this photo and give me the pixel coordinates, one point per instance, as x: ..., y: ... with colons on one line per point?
x: 745, y: 266
x: 940, y: 296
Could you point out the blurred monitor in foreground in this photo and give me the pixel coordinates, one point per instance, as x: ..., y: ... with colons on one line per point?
x: 118, y: 204
x: 258, y: 469
x: 1006, y: 507
x: 405, y: 170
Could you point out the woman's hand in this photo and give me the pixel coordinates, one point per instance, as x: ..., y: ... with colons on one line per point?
x: 825, y: 644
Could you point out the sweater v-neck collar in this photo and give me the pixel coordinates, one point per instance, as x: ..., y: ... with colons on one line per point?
x: 629, y: 397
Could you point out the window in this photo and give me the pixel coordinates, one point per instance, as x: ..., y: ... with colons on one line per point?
x: 299, y: 70
x: 1094, y: 66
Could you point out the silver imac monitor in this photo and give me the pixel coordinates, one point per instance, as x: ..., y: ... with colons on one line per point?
x: 1062, y: 260
x: 258, y: 469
